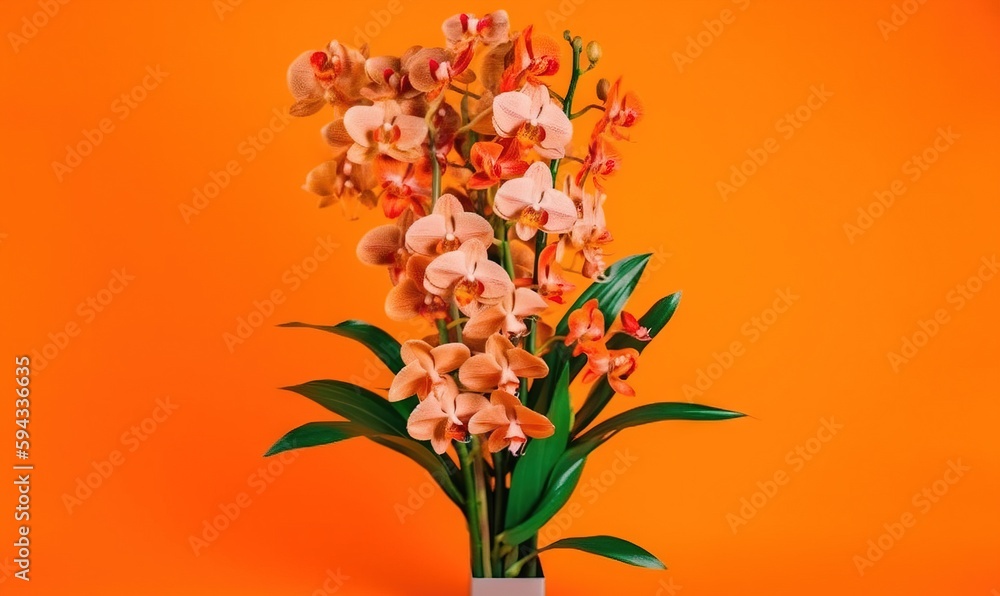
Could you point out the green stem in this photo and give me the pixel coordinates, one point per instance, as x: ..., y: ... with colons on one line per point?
x: 514, y: 569
x: 508, y: 256
x: 435, y: 169
x: 443, y: 331
x: 592, y: 106
x: 456, y: 319
x: 479, y: 473
x: 472, y: 510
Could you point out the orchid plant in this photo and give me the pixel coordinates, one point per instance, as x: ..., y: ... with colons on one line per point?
x: 464, y: 148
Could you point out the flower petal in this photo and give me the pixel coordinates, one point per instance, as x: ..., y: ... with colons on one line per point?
x: 404, y: 300
x: 445, y: 271
x: 513, y: 196
x: 448, y: 357
x: 426, y: 234
x: 534, y: 424
x: 480, y: 373
x: 488, y: 418
x: 558, y: 132
x: 424, y: 418
x: 412, y: 379
x: 510, y: 111
x: 359, y: 121
x: 525, y: 364
x: 528, y: 303
x: 412, y: 131
x: 561, y: 212
x: 380, y: 245
x: 468, y: 405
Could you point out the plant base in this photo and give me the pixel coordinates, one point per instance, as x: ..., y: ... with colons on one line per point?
x: 534, y: 586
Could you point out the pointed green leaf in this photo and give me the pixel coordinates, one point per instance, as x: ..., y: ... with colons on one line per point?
x: 536, y: 464
x: 355, y: 403
x: 378, y: 341
x: 610, y: 547
x: 646, y: 414
x: 601, y: 393
x: 565, y: 476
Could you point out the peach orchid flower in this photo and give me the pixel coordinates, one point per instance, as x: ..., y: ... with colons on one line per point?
x: 494, y: 163
x: 409, y: 299
x: 551, y: 281
x: 618, y: 365
x: 426, y: 370
x: 586, y: 325
x: 500, y: 367
x: 385, y: 245
x: 318, y: 77
x: 603, y: 159
x: 468, y: 275
x: 534, y: 204
x: 340, y: 181
x: 407, y: 186
x: 534, y: 57
x: 620, y: 111
x: 433, y: 69
x: 439, y: 420
x: 447, y: 228
x: 464, y: 30
x: 530, y: 117
x: 389, y: 77
x: 590, y: 234
x: 383, y: 129
x: 507, y: 317
x: 632, y: 328
x: 509, y: 423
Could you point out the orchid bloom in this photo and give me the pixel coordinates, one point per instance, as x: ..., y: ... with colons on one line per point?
x: 465, y: 29
x: 505, y: 317
x: 469, y: 275
x: 409, y: 299
x: 602, y: 160
x: 439, y: 420
x: 340, y: 181
x: 618, y: 365
x: 620, y: 111
x: 533, y: 119
x: 590, y: 233
x: 509, y: 423
x: 494, y: 163
x: 317, y: 77
x: 551, y: 282
x: 534, y: 204
x: 426, y: 370
x: 447, y: 228
x: 407, y: 186
x: 389, y: 78
x: 631, y: 327
x: 586, y: 324
x: 500, y: 367
x: 433, y: 69
x: 383, y: 129
x: 534, y: 57
x: 385, y: 245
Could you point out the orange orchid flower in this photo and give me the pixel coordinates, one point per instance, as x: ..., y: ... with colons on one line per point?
x: 469, y: 276
x: 441, y: 419
x: 495, y: 162
x: 551, y: 281
x: 505, y: 317
x: 534, y: 57
x: 530, y: 117
x: 409, y: 299
x: 447, y: 228
x: 586, y: 325
x: 385, y: 245
x: 631, y: 327
x: 509, y: 423
x: 464, y: 29
x: 407, y: 186
x: 426, y: 370
x: 534, y: 204
x: 340, y: 181
x: 618, y: 365
x: 590, y: 234
x: 500, y: 367
x: 332, y: 76
x: 389, y: 77
x: 620, y: 111
x: 383, y: 129
x: 433, y: 69
x: 603, y: 159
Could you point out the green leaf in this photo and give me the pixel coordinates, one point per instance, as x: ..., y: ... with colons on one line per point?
x: 442, y: 469
x: 601, y: 393
x: 612, y: 293
x: 317, y: 433
x: 610, y: 547
x: 536, y: 464
x: 565, y: 476
x: 646, y: 414
x: 355, y: 403
x: 378, y: 341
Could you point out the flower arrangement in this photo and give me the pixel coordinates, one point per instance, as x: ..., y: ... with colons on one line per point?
x: 463, y: 148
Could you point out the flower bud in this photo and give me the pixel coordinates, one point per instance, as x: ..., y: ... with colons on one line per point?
x: 577, y: 43
x: 594, y: 52
x: 603, y: 86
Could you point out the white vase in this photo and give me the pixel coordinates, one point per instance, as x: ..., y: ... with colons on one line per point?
x: 532, y: 586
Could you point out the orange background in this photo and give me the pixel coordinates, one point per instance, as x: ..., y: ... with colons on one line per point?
x: 335, y: 508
